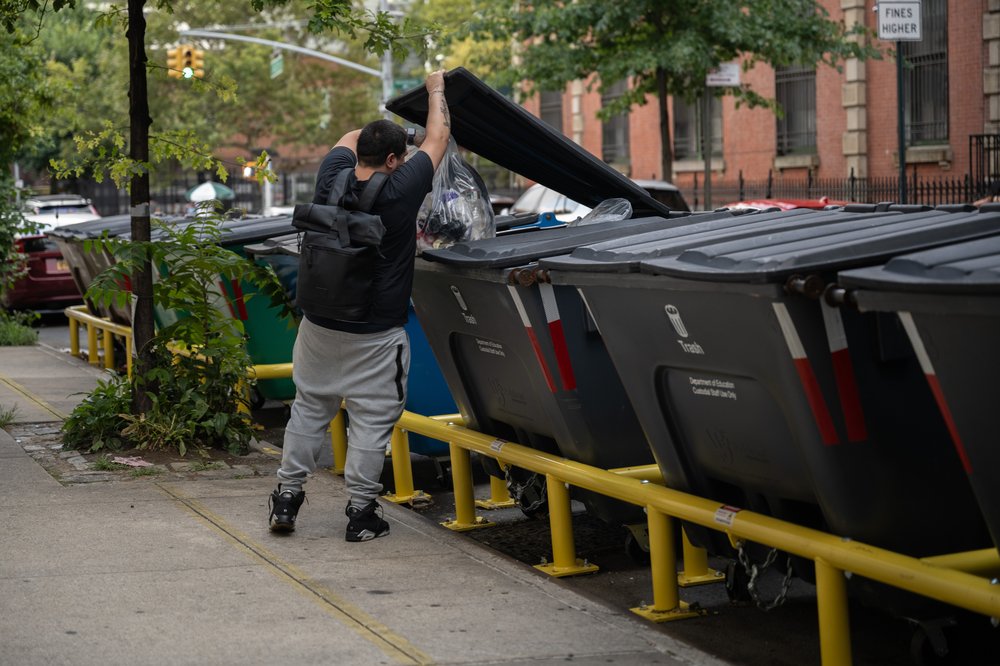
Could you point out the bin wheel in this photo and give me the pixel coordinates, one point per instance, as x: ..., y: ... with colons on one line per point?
x: 737, y: 583
x: 528, y: 490
x: 637, y: 551
x: 929, y: 645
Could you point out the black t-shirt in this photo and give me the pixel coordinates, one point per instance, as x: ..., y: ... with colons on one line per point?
x: 397, y: 205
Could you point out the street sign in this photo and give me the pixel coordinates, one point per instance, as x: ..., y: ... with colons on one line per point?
x: 724, y: 76
x: 399, y: 85
x: 899, y: 20
x: 277, y: 64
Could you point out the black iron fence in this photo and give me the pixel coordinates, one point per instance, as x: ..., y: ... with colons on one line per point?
x: 920, y: 189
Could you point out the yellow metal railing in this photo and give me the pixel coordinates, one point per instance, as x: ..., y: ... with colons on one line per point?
x: 79, y: 314
x: 949, y: 578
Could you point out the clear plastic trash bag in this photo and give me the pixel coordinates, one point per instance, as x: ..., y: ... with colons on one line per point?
x: 458, y: 207
x: 609, y: 210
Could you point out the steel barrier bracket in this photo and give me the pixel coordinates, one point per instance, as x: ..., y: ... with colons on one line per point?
x: 477, y: 523
x: 556, y: 571
x: 499, y: 496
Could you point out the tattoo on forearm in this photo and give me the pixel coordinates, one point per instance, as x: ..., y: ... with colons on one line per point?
x: 444, y: 112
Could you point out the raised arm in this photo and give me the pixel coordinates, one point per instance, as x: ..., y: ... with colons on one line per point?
x: 350, y: 141
x: 438, y: 124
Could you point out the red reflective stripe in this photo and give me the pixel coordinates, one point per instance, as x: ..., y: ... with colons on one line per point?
x: 949, y: 421
x: 225, y: 297
x: 843, y: 374
x: 558, y: 336
x: 523, y: 314
x: 240, y: 304
x: 815, y: 397
x: 541, y: 359
x: 850, y: 401
x: 562, y: 355
x: 806, y: 375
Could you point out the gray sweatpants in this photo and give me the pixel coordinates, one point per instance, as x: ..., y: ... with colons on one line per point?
x: 369, y: 372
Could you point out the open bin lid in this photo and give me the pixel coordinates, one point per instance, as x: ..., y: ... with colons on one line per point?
x: 965, y: 267
x: 244, y: 231
x: 520, y: 249
x: 492, y: 126
x: 863, y: 239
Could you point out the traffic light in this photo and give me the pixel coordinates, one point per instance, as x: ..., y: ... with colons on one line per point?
x: 174, y: 63
x: 194, y: 62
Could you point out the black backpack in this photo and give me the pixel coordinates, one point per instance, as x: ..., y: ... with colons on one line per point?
x: 338, y: 251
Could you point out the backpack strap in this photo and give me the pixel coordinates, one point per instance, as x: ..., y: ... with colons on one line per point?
x: 339, y: 187
x: 372, y: 189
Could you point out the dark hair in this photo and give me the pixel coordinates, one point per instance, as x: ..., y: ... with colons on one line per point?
x: 377, y: 140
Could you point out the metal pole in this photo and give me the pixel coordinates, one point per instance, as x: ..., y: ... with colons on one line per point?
x: 706, y: 146
x: 834, y: 622
x: 901, y: 121
x: 383, y: 6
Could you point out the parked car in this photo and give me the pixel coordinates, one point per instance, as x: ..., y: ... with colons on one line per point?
x: 57, y: 210
x: 48, y: 284
x: 540, y: 199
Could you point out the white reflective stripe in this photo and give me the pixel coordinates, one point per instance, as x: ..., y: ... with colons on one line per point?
x: 834, y: 324
x: 520, y: 306
x: 788, y: 330
x: 589, y: 311
x: 918, y: 344
x: 549, y: 302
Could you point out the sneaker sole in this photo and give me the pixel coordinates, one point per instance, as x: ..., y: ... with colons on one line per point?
x: 365, y: 535
x: 283, y: 527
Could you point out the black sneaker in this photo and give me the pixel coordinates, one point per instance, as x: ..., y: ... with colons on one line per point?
x: 284, y: 505
x: 366, y: 523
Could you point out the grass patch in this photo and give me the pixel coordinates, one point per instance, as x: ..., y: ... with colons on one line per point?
x: 105, y: 464
x: 146, y: 471
x: 7, y: 415
x: 16, y: 330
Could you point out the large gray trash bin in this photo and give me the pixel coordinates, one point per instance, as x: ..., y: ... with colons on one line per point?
x: 948, y: 300
x: 523, y: 360
x: 759, y: 397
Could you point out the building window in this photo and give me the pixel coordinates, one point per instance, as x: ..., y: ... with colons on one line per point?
x: 551, y: 109
x: 614, y: 134
x: 687, y: 129
x: 795, y: 91
x: 925, y: 80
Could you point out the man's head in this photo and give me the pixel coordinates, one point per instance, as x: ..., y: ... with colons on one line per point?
x: 382, y: 143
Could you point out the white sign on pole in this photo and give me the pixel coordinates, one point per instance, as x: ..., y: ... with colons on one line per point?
x: 899, y: 20
x: 725, y: 75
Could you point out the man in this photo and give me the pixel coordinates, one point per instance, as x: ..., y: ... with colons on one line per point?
x: 364, y: 363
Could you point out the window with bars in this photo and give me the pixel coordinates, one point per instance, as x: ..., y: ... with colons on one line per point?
x: 550, y: 109
x: 614, y: 132
x: 795, y: 91
x: 925, y: 78
x: 687, y: 128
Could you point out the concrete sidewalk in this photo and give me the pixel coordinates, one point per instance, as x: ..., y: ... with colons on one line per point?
x: 154, y: 571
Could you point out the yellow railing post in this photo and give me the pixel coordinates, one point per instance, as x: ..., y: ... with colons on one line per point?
x: 93, y: 356
x: 128, y: 354
x: 834, y: 623
x: 465, y: 506
x: 696, y: 571
x: 402, y: 472
x: 109, y: 349
x: 667, y: 605
x: 338, y: 440
x: 499, y: 496
x: 74, y: 337
x: 564, y: 560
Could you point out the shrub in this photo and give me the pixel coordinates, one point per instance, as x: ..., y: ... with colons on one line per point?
x: 16, y: 330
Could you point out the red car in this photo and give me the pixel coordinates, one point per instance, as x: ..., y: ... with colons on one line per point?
x: 48, y: 284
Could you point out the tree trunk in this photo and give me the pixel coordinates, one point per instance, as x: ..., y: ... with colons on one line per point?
x: 666, y: 148
x: 139, y: 122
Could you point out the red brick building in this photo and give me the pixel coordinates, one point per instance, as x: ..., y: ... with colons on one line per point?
x: 836, y: 123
